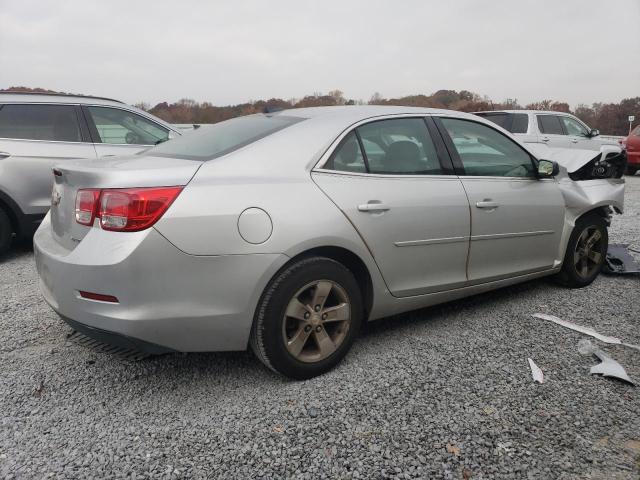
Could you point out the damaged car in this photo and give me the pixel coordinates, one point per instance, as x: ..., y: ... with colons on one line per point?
x: 284, y: 232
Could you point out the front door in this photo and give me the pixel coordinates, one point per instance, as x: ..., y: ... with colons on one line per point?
x: 578, y: 134
x: 387, y: 178
x: 516, y: 218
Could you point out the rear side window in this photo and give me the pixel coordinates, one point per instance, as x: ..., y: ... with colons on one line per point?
x: 40, y: 122
x: 550, y: 124
x: 348, y: 156
x: 224, y: 137
x: 520, y: 123
x: 121, y: 127
x: 512, y: 122
x: 400, y: 146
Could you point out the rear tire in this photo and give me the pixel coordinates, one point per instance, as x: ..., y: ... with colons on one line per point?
x: 307, y: 318
x: 631, y: 170
x: 6, y: 232
x: 585, y: 253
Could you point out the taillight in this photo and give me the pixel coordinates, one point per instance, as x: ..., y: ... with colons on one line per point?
x: 131, y: 210
x: 128, y: 209
x: 86, y: 206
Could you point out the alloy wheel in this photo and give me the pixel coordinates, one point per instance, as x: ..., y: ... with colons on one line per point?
x: 316, y: 321
x: 587, y: 256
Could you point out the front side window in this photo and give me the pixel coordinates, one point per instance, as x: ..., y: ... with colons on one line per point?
x: 39, y: 122
x: 573, y: 127
x: 121, y: 127
x: 550, y: 124
x: 484, y: 151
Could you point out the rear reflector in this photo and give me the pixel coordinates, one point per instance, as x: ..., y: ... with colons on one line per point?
x: 98, y: 296
x: 124, y: 210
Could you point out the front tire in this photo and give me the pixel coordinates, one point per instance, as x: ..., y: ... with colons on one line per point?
x: 631, y: 170
x: 585, y: 253
x: 6, y: 232
x: 307, y: 318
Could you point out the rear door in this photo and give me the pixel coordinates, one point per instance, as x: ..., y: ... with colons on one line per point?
x: 552, y: 131
x: 33, y: 138
x: 396, y: 186
x: 117, y: 131
x: 516, y: 219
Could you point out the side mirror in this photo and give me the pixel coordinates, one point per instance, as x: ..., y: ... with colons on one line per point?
x: 547, y: 168
x: 594, y: 132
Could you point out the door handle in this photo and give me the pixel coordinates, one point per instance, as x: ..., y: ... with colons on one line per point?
x: 373, y: 206
x: 4, y: 155
x: 545, y: 139
x: 575, y: 140
x: 487, y: 204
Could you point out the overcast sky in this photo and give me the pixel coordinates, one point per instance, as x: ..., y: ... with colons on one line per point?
x: 579, y: 51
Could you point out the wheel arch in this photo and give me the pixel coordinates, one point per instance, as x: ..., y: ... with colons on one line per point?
x: 9, y: 208
x: 345, y: 257
x: 603, y: 211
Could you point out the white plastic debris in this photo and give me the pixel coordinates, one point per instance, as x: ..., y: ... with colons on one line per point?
x: 609, y: 367
x: 537, y: 374
x: 586, y: 330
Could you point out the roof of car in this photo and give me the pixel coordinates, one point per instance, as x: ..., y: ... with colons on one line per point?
x: 45, y: 97
x: 348, y: 110
x: 355, y: 112
x: 553, y: 112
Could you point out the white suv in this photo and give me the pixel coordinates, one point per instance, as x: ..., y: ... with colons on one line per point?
x: 38, y: 131
x: 555, y: 129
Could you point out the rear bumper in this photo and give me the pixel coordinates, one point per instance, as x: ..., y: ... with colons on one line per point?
x: 117, y: 339
x: 167, y: 300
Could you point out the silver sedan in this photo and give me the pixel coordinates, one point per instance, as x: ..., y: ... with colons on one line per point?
x: 286, y: 231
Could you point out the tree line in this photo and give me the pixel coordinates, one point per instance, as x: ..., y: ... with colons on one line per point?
x: 609, y: 118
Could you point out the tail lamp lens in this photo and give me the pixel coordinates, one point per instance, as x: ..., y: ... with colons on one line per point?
x: 134, y: 209
x: 86, y: 203
x: 129, y: 210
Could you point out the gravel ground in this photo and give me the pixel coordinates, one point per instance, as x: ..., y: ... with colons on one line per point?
x: 444, y: 392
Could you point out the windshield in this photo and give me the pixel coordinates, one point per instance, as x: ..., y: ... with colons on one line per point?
x: 209, y: 142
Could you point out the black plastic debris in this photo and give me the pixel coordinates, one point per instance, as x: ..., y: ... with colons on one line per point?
x: 124, y: 353
x: 619, y: 262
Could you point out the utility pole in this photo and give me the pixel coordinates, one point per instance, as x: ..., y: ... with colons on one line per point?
x: 631, y: 119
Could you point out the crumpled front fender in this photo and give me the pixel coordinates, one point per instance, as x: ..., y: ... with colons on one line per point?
x: 586, y: 195
x: 573, y: 159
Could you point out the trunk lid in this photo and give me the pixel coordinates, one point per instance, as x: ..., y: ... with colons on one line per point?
x: 120, y: 172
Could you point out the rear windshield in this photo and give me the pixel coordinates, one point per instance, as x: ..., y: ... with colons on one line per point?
x: 512, y: 122
x: 213, y: 141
